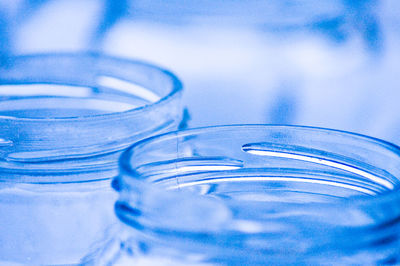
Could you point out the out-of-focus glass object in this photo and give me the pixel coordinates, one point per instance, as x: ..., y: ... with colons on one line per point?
x: 322, y: 63
x: 64, y: 119
x: 331, y: 63
x: 257, y: 195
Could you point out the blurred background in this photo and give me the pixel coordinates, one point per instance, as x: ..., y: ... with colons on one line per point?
x: 332, y: 63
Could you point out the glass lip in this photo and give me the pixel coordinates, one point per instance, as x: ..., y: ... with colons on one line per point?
x: 126, y: 167
x: 177, y: 86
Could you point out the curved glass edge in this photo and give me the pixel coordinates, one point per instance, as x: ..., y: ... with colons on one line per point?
x: 128, y: 153
x: 177, y: 86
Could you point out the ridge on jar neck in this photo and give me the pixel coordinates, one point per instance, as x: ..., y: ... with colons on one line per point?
x: 266, y: 193
x: 67, y: 116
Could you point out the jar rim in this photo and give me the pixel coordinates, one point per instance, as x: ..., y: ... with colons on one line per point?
x: 128, y: 171
x: 127, y: 154
x: 176, y: 87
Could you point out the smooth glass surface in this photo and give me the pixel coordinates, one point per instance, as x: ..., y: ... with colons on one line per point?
x: 257, y: 195
x: 65, y: 119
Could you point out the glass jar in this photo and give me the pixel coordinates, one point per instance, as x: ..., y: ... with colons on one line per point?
x: 65, y: 118
x: 258, y: 195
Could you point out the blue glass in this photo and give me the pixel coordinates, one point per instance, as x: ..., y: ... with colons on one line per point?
x: 65, y: 119
x: 257, y: 195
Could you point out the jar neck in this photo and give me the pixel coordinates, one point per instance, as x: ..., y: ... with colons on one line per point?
x: 31, y: 161
x: 177, y: 225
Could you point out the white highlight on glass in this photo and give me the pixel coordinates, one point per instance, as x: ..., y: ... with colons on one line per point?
x: 341, y: 166
x: 128, y: 87
x: 40, y: 89
x: 207, y: 168
x: 58, y: 103
x: 269, y: 179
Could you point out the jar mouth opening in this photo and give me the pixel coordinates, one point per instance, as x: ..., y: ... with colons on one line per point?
x: 137, y: 170
x: 70, y: 115
x: 55, y: 92
x: 305, y: 178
